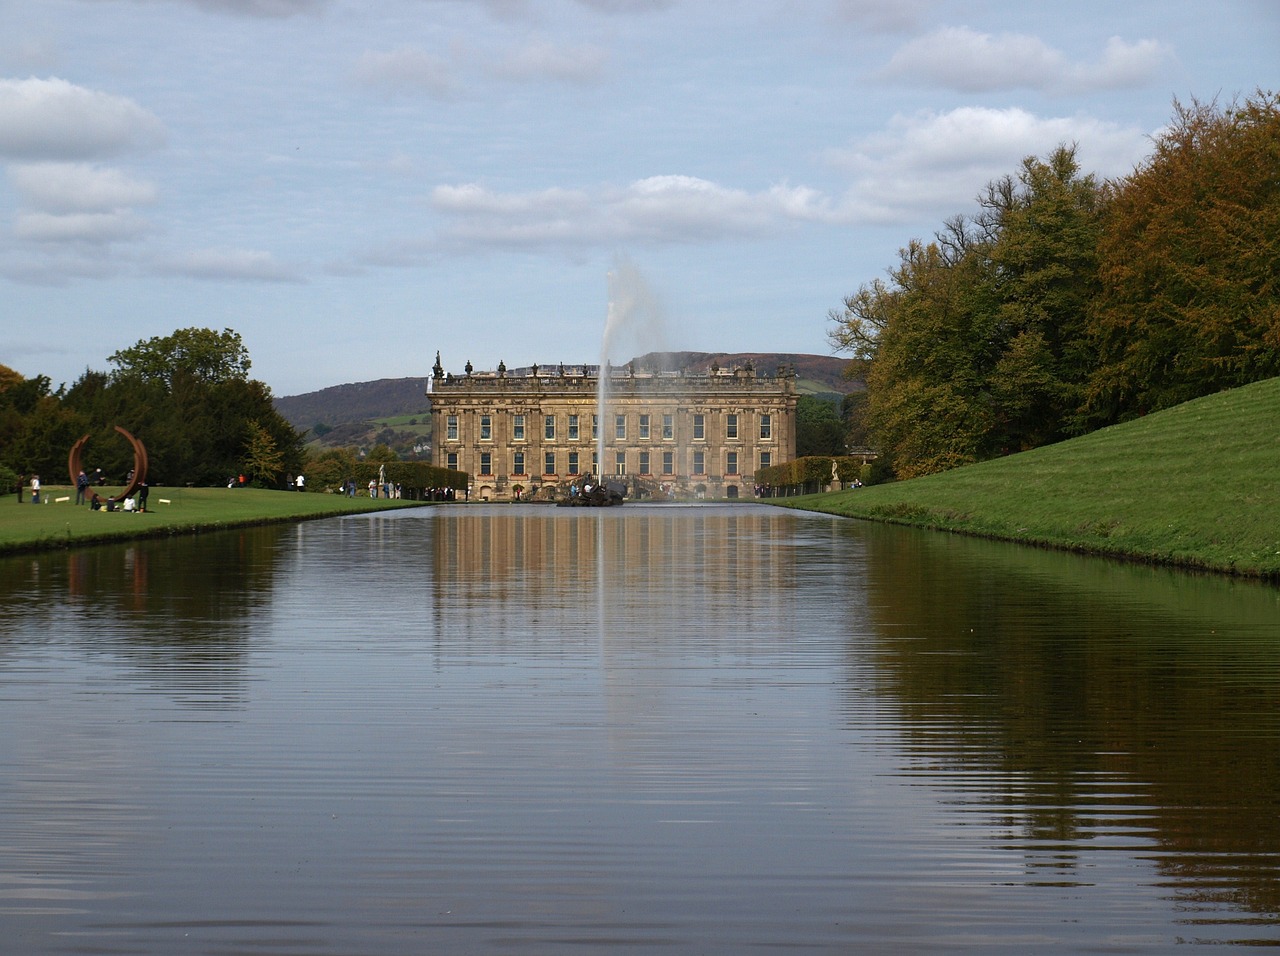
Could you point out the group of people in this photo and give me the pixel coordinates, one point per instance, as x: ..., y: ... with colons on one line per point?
x: 134, y: 502
x: 387, y: 489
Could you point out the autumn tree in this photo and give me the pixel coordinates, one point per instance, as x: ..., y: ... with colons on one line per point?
x: 924, y: 384
x: 1189, y: 264
x: 263, y: 460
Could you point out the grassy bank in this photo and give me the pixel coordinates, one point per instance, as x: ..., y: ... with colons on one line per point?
x: 62, y: 524
x: 1195, y: 486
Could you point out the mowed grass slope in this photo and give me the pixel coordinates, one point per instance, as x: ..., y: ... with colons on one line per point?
x: 1197, y: 486
x: 28, y: 527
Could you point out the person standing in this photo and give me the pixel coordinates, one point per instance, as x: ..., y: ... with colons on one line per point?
x: 300, y: 482
x: 82, y: 485
x: 35, y: 489
x: 143, y: 491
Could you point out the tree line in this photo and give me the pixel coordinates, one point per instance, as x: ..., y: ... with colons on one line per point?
x: 187, y: 396
x: 1066, y: 304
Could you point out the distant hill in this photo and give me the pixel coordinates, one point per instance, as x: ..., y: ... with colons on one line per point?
x: 358, y: 413
x: 357, y: 402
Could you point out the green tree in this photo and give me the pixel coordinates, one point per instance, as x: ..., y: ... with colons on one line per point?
x: 330, y: 468
x: 205, y: 355
x: 188, y: 398
x: 819, y: 430
x: 1044, y: 230
x: 853, y: 412
x: 974, y: 345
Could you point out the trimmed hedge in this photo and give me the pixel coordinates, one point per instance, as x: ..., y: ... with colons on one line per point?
x: 813, y: 470
x: 328, y: 474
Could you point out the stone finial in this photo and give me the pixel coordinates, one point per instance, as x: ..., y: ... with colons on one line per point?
x: 437, y: 370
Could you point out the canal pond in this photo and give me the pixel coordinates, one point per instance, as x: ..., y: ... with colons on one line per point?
x: 681, y: 729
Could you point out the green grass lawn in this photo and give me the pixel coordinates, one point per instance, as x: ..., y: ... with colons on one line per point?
x: 58, y: 524
x: 1197, y: 485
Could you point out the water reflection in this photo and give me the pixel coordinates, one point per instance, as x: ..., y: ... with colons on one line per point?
x: 181, y: 617
x: 1090, y: 707
x: 700, y: 729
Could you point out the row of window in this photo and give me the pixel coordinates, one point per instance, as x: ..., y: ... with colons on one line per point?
x: 645, y: 427
x: 697, y: 463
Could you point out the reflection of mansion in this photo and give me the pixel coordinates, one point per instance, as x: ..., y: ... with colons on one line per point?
x: 525, y: 433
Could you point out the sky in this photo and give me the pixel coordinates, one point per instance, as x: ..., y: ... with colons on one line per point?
x: 354, y: 185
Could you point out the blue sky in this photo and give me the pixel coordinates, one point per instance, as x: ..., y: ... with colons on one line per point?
x: 353, y: 185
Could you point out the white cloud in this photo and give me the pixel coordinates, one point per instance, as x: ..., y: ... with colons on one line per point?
x: 959, y: 58
x: 657, y: 209
x: 406, y: 68
x: 54, y: 119
x: 936, y: 163
x: 411, y: 69
x: 77, y: 203
x: 526, y: 10
x: 884, y: 16
x: 263, y: 8
x: 78, y: 187
x: 88, y: 227
x: 539, y: 59
x: 29, y: 53
x: 251, y: 8
x: 56, y: 265
x: 1125, y: 64
x: 627, y: 6
x: 241, y: 265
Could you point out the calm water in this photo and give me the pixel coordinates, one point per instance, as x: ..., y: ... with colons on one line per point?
x: 666, y: 729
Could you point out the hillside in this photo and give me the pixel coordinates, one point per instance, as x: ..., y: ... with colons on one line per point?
x: 357, y: 402
x: 358, y: 413
x: 1194, y: 486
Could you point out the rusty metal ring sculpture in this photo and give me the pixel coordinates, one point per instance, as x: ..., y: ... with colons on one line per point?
x: 139, y: 463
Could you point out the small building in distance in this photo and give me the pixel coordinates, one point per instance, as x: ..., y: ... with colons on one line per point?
x: 527, y: 433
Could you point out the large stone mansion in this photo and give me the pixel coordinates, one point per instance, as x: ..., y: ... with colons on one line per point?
x: 527, y: 433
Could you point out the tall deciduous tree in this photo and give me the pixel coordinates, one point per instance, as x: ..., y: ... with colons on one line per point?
x: 927, y: 375
x: 188, y: 397
x: 207, y: 356
x: 819, y: 429
x: 974, y: 344
x: 264, y: 461
x: 1190, y: 264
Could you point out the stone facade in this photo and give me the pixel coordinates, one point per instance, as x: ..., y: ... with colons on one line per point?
x: 527, y: 433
